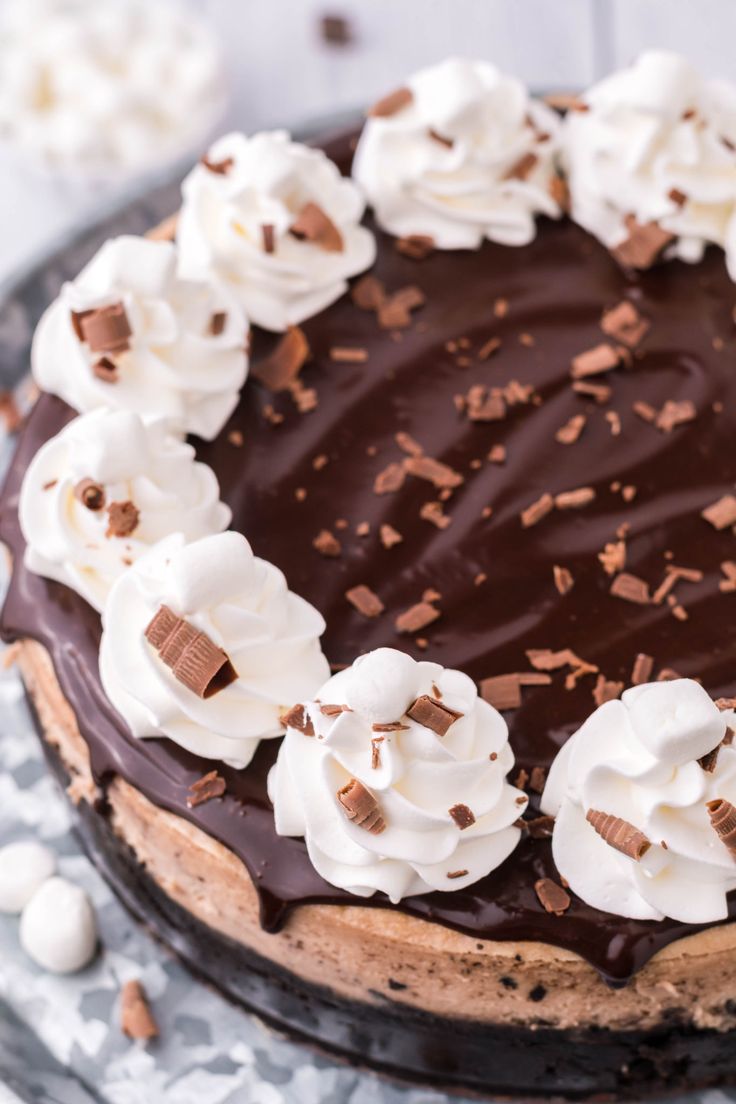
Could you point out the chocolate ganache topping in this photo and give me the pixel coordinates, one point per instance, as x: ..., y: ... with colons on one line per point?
x: 559, y: 515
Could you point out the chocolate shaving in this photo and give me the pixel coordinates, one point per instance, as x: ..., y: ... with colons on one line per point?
x: 619, y: 834
x: 105, y: 370
x: 613, y: 557
x: 433, y: 714
x: 540, y: 827
x: 391, y: 104
x: 606, y: 690
x: 725, y: 704
x: 538, y: 510
x: 722, y: 513
x: 279, y: 370
x: 708, y: 761
x: 395, y: 312
x: 552, y: 897
x: 327, y: 543
x: 365, y: 601
x: 407, y: 444
x: 195, y: 661
x: 433, y: 512
x: 206, y: 788
x: 497, y: 454
x: 104, y: 329
x: 90, y: 494
x: 521, y: 168
x: 389, y: 536
x: 217, y: 323
x: 269, y: 237
x: 136, y: 1018
x: 572, y: 500
x: 329, y: 710
x: 390, y: 479
x: 723, y: 820
x: 390, y: 726
x: 313, y: 225
x: 728, y: 567
x: 416, y: 246
x: 624, y: 323
x: 368, y: 293
x: 462, y: 815
x: 569, y: 433
x: 599, y: 392
x: 453, y: 874
x: 219, y: 168
x: 376, y: 742
x: 298, y: 718
x: 361, y: 806
x: 642, y: 669
x: 415, y: 618
x: 674, y: 414
x: 437, y: 473
x: 631, y: 588
x: 601, y: 358
x: 489, y: 347
x: 564, y: 580
x: 122, y: 519
x: 504, y: 691
x: 644, y: 410
x: 482, y: 405
x: 560, y: 191
x: 644, y: 244
x: 537, y: 779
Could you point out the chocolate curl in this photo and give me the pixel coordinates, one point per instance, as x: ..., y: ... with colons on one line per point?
x: 618, y: 833
x: 723, y: 818
x: 190, y: 654
x: 105, y: 329
x: 433, y: 714
x: 361, y: 806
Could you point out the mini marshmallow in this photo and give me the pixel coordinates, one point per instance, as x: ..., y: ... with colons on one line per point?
x: 58, y: 928
x: 24, y: 866
x: 675, y: 720
x: 383, y: 686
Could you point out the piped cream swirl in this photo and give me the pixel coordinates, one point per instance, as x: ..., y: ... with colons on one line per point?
x: 644, y: 760
x: 184, y: 357
x: 469, y: 155
x: 118, y: 457
x: 242, y: 603
x: 437, y: 786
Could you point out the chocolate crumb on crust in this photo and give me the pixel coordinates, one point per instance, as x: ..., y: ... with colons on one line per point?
x: 298, y: 718
x: 313, y: 225
x: 195, y: 661
x: 392, y: 103
x: 462, y: 815
x: 552, y: 897
x: 90, y: 494
x: 206, y: 788
x: 723, y: 820
x: 361, y: 806
x: 365, y: 600
x: 123, y: 519
x: 416, y: 618
x: 136, y: 1019
x: 619, y: 834
x: 281, y: 369
x: 433, y: 714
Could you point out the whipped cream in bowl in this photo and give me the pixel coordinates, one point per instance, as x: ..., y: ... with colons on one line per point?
x: 97, y: 495
x: 127, y: 333
x: 276, y: 221
x: 462, y: 153
x: 644, y: 796
x: 204, y: 643
x: 651, y: 161
x: 395, y: 774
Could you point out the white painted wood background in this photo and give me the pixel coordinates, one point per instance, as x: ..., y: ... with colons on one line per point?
x: 282, y: 72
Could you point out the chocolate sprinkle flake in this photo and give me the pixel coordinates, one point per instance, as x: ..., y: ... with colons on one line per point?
x: 391, y: 104
x: 195, y: 661
x: 368, y: 293
x: 327, y: 543
x: 619, y: 834
x: 313, y: 225
x: 298, y: 718
x: 462, y: 815
x: 642, y: 669
x: 644, y: 244
x: 631, y: 588
x: 365, y: 601
x: 136, y: 1018
x: 437, y: 473
x: 416, y: 618
x: 361, y: 806
x: 552, y: 897
x: 123, y: 519
x: 563, y: 579
x: 624, y: 323
x: 489, y: 347
x: 433, y: 714
x: 722, y: 513
x: 538, y: 510
x: 206, y: 788
x: 346, y: 354
x: 415, y: 246
x: 390, y: 536
x: 601, y: 358
x: 90, y: 494
x: 569, y: 433
x: 279, y: 370
x: 390, y: 479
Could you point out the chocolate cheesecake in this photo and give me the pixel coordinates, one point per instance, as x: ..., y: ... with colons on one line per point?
x: 514, y: 461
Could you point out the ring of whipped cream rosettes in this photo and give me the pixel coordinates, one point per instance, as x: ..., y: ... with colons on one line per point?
x: 394, y: 771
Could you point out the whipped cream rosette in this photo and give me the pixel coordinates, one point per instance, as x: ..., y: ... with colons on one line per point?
x: 277, y: 222
x: 395, y: 774
x: 460, y: 154
x: 644, y: 796
x: 103, y: 490
x: 204, y: 643
x: 651, y: 161
x: 104, y: 87
x: 128, y: 333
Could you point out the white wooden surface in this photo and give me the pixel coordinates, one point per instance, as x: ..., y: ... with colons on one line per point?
x: 282, y: 72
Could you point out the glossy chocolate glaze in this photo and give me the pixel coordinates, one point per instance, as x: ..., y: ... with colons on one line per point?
x: 556, y: 289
